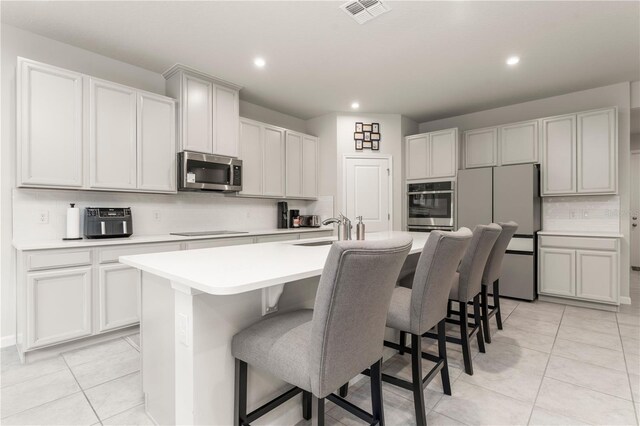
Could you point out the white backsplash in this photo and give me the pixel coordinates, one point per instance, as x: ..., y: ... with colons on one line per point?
x: 585, y: 213
x: 153, y: 214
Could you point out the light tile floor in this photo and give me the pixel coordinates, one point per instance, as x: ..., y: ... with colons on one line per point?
x: 552, y: 364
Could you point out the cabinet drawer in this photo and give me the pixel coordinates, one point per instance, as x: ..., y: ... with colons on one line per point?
x: 274, y: 238
x: 585, y: 243
x: 304, y: 235
x: 57, y: 259
x: 111, y: 254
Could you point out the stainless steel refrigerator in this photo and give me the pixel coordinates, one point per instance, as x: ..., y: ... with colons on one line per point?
x: 501, y: 194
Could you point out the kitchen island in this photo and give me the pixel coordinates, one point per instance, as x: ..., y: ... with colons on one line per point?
x: 194, y: 301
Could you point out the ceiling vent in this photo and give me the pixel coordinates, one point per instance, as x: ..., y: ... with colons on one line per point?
x: 364, y: 10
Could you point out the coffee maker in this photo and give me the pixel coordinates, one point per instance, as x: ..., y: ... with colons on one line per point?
x: 283, y: 215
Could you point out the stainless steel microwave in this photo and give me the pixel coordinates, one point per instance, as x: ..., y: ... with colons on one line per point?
x: 430, y: 206
x: 206, y: 172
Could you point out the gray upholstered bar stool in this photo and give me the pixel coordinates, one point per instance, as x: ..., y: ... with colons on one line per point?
x: 491, y: 276
x: 318, y: 350
x: 467, y: 287
x: 424, y: 306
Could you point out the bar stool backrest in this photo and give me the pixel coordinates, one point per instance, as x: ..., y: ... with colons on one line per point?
x: 434, y: 276
x: 475, y: 260
x: 350, y: 310
x: 494, y: 264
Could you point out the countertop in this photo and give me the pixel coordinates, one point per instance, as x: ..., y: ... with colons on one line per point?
x: 146, y: 239
x: 238, y: 269
x: 581, y: 234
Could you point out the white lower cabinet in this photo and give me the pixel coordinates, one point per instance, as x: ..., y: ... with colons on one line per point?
x: 558, y: 271
x: 222, y: 242
x: 118, y: 296
x: 58, y: 305
x: 581, y: 268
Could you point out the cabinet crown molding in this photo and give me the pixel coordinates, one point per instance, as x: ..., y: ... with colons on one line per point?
x: 181, y: 67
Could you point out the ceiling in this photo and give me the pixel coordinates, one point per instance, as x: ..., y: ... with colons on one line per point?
x: 425, y: 60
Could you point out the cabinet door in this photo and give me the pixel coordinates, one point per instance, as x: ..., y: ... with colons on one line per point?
x: 226, y: 121
x: 273, y: 161
x: 519, y: 143
x: 294, y: 164
x: 251, y: 155
x: 276, y: 238
x: 597, y: 275
x: 443, y: 153
x: 58, y: 305
x: 197, y: 114
x: 557, y: 272
x: 119, y: 296
x: 156, y: 143
x: 417, y: 148
x: 49, y: 130
x: 112, y: 135
x: 309, y: 166
x: 597, y: 153
x: 481, y: 148
x: 559, y: 155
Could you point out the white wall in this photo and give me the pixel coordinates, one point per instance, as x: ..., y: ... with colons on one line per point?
x: 266, y: 115
x: 185, y: 211
x: 614, y: 95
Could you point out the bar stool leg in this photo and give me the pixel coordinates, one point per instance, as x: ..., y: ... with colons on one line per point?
x: 464, y: 339
x: 442, y: 354
x: 478, y: 322
x: 376, y: 393
x: 306, y: 405
x: 449, y: 308
x: 416, y: 373
x: 240, y: 391
x: 496, y: 303
x: 344, y: 390
x: 403, y: 342
x: 317, y: 405
x: 485, y: 313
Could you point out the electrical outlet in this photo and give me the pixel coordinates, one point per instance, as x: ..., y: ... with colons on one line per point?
x: 157, y: 216
x: 43, y: 217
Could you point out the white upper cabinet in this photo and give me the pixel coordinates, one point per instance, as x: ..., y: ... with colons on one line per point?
x: 251, y: 155
x: 273, y: 173
x: 443, y: 153
x: 559, y: 155
x: 196, y: 114
x: 156, y: 143
x: 209, y: 111
x: 294, y: 164
x: 50, y: 126
x: 301, y: 165
x: 579, y: 153
x: 432, y: 155
x: 227, y: 114
x: 76, y: 131
x: 481, y: 147
x: 112, y: 135
x: 597, y: 151
x: 309, y: 166
x: 519, y: 143
x: 417, y: 149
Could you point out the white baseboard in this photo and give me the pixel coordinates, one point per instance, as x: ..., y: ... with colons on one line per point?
x: 7, y: 341
x: 625, y: 300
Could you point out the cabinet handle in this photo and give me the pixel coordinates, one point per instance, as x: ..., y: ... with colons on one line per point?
x: 634, y: 224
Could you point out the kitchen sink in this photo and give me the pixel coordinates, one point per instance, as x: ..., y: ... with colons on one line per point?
x: 315, y: 243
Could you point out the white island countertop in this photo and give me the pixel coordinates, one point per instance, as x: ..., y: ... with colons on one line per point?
x: 238, y: 269
x: 146, y: 239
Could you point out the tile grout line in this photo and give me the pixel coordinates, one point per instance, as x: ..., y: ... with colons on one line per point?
x: 544, y: 373
x: 635, y: 409
x: 82, y: 390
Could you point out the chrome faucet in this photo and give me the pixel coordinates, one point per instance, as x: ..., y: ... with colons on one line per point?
x: 344, y: 226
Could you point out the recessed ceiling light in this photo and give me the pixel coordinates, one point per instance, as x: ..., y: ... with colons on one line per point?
x: 259, y: 62
x: 512, y: 60
x: 355, y: 105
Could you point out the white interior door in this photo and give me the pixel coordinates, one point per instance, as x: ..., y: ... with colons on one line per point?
x: 366, y: 192
x: 635, y: 209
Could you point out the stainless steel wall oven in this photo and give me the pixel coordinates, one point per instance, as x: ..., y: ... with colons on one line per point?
x: 430, y: 206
